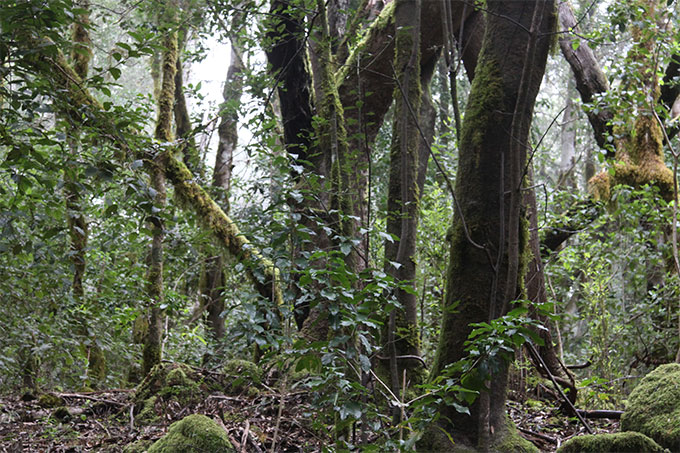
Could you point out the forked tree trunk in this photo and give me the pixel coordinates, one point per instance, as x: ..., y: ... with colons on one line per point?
x: 488, y: 235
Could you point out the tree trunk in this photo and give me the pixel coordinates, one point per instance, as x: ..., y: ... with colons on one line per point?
x: 488, y: 236
x: 214, y: 278
x: 590, y: 80
x: 183, y: 129
x: 566, y: 178
x: 404, y: 194
x: 78, y: 227
x: 152, y: 351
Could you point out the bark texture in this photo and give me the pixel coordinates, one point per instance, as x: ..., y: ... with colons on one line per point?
x: 590, y: 80
x: 488, y: 236
x: 152, y: 349
x: 403, y: 198
x: 638, y: 136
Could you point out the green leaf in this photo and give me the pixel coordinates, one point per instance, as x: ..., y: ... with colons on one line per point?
x: 115, y: 72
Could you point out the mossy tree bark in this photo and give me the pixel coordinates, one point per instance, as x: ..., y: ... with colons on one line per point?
x: 152, y: 350
x: 489, y: 236
x: 401, y: 335
x: 78, y: 227
x: 638, y: 137
x: 183, y: 129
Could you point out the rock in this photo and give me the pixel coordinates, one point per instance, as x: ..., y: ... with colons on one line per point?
x: 622, y: 442
x: 654, y: 407
x: 166, y: 382
x: 242, y: 375
x: 62, y: 414
x: 193, y: 434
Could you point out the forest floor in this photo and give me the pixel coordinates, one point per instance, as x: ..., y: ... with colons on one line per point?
x: 104, y: 421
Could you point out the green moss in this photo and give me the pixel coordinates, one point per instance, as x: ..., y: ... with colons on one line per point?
x: 242, y: 375
x: 485, y: 99
x: 49, y: 400
x: 654, y: 407
x: 380, y: 25
x: 619, y: 442
x: 141, y: 446
x: 193, y: 434
x: 165, y: 382
x: 147, y: 415
x: 599, y: 186
x: 62, y: 414
x: 510, y: 440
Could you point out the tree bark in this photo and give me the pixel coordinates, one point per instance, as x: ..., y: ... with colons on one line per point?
x: 590, y: 80
x: 403, y: 193
x: 487, y: 233
x: 78, y: 227
x: 152, y: 349
x: 214, y: 278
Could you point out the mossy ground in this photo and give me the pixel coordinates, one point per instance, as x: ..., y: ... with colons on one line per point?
x: 617, y: 442
x: 654, y: 407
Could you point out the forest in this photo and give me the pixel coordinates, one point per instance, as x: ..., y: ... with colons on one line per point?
x: 339, y: 225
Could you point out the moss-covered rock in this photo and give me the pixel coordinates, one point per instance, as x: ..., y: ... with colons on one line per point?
x: 618, y: 442
x: 193, y: 434
x: 50, y: 400
x: 140, y: 446
x: 242, y: 375
x: 165, y: 382
x: 654, y: 407
x: 62, y: 414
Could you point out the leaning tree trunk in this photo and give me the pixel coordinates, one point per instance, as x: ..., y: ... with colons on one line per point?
x: 152, y: 351
x: 488, y: 236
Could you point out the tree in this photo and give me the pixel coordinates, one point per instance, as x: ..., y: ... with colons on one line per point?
x: 488, y: 235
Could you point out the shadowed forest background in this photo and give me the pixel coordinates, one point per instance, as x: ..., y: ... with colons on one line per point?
x: 406, y: 225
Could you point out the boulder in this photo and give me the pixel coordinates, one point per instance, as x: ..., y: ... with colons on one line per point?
x: 193, y: 434
x: 654, y: 407
x: 619, y: 442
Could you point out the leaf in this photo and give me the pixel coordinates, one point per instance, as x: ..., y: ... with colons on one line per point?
x: 309, y: 362
x: 115, y: 72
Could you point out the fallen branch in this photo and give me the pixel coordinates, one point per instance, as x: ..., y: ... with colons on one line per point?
x: 552, y: 440
x: 614, y: 415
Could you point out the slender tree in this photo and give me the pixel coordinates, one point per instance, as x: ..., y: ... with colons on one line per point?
x: 152, y: 351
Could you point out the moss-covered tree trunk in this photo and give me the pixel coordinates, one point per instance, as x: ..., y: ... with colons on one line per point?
x: 488, y: 236
x: 152, y: 351
x: 638, y: 136
x: 78, y: 227
x: 183, y: 129
x: 400, y: 338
